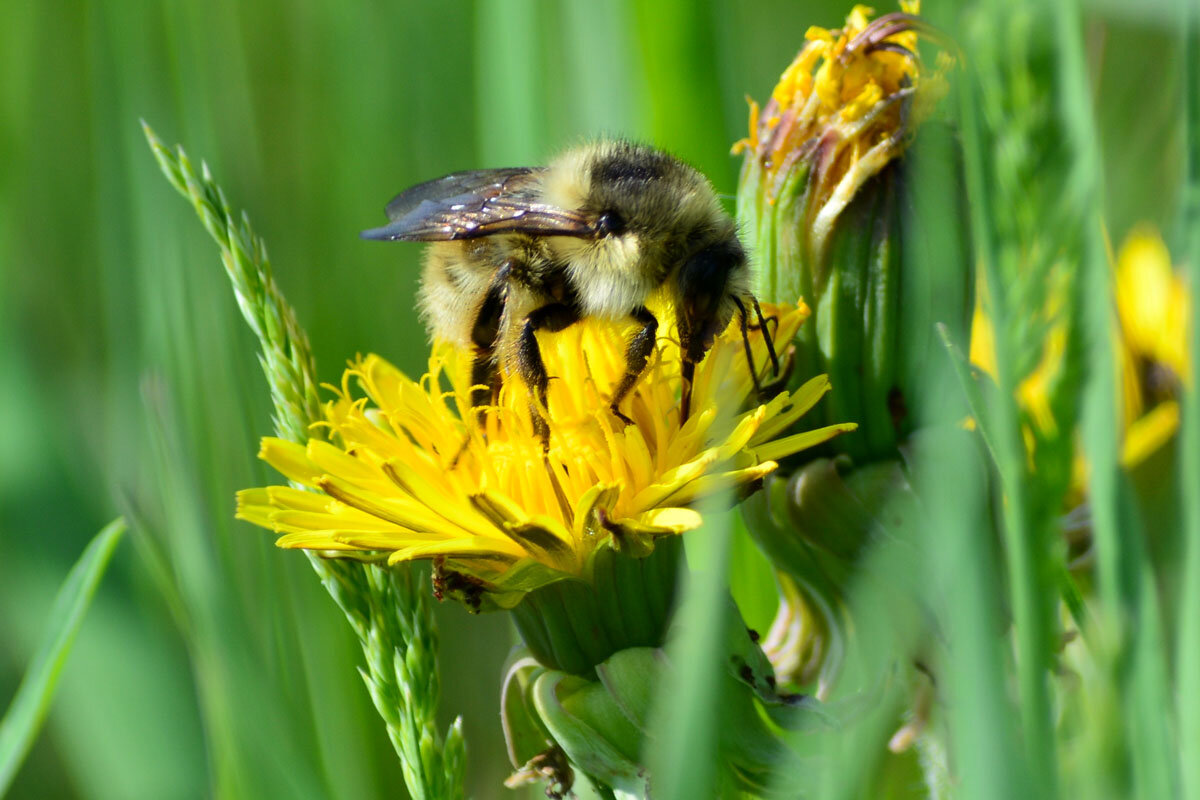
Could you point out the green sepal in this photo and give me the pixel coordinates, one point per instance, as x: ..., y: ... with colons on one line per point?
x: 574, y: 624
x: 767, y: 216
x: 631, y: 677
x: 525, y: 736
x: 601, y: 725
x: 873, y: 307
x: 816, y: 526
x: 591, y: 729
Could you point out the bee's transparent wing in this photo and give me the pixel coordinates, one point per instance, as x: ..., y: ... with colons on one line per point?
x: 483, y: 202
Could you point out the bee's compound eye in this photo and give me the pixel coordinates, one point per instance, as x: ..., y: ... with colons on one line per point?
x: 610, y: 224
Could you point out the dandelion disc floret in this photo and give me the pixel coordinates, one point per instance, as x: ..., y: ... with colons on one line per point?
x: 406, y: 475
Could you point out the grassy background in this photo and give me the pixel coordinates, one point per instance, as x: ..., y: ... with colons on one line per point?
x: 212, y: 663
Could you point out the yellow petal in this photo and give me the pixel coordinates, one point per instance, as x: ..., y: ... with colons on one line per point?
x: 314, y: 540
x: 1146, y: 436
x: 792, y: 407
x: 291, y: 459
x: 781, y: 448
x: 715, y: 484
x: 670, y: 520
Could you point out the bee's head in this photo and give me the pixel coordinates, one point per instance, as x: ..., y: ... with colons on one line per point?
x: 707, y: 288
x: 657, y: 221
x: 651, y: 201
x: 673, y: 212
x: 634, y: 189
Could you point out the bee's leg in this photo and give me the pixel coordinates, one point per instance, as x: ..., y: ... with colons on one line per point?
x: 485, y: 390
x: 766, y: 335
x: 485, y: 381
x: 687, y: 370
x: 744, y: 322
x: 636, y: 354
x: 552, y: 317
x: 485, y: 372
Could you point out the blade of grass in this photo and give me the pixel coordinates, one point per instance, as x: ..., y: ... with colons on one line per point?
x: 1127, y: 583
x: 878, y: 667
x: 987, y: 759
x: 1030, y: 586
x: 961, y: 581
x: 683, y: 751
x: 1148, y: 695
x: 1188, y: 675
x: 521, y: 140
x: 1099, y: 417
x: 27, y: 712
x: 680, y: 91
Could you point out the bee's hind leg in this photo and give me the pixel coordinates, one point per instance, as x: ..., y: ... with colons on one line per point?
x: 553, y: 317
x: 636, y: 354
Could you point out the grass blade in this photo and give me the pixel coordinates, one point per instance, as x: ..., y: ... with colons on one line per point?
x: 682, y: 759
x: 1188, y: 689
x: 1099, y: 416
x: 25, y: 715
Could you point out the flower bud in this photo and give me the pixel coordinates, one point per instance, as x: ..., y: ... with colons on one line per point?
x: 815, y: 526
x: 556, y: 723
x: 824, y: 202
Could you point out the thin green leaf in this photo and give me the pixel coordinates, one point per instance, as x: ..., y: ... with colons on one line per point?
x: 1027, y: 548
x: 971, y: 391
x: 27, y: 712
x: 684, y: 745
x: 1188, y: 690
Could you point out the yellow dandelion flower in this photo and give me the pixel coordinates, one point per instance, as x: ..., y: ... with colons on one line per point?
x: 845, y: 104
x: 404, y: 477
x: 1153, y: 311
x: 1150, y: 326
x: 1033, y: 389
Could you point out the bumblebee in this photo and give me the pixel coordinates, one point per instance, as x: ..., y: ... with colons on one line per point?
x: 594, y: 234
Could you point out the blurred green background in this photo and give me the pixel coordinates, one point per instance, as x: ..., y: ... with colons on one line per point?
x: 212, y: 663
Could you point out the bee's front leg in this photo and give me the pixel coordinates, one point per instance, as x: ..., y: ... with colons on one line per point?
x: 768, y: 337
x: 636, y: 354
x: 743, y: 322
x: 553, y: 317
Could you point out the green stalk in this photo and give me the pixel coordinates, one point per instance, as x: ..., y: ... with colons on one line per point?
x: 1188, y: 674
x: 950, y: 478
x: 1028, y: 595
x: 389, y: 614
x: 21, y: 723
x: 1126, y: 578
x: 1099, y: 417
x: 684, y: 736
